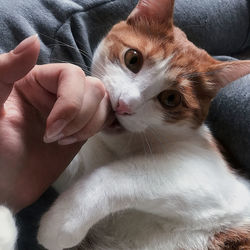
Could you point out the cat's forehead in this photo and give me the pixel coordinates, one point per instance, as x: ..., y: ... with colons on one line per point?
x: 185, y: 56
x: 124, y: 36
x: 179, y: 60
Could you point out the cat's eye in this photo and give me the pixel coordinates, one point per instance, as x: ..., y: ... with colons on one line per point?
x: 133, y: 60
x: 170, y: 98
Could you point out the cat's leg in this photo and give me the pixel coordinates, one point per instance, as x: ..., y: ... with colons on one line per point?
x: 105, y: 191
x: 8, y: 230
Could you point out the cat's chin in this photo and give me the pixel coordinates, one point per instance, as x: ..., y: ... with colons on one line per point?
x: 115, y: 128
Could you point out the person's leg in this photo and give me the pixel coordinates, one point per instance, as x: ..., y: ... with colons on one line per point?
x: 229, y: 119
x: 28, y: 221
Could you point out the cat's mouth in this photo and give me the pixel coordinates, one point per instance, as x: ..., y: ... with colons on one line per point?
x: 115, y: 127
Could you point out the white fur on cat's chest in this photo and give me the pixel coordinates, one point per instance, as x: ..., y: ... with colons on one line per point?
x: 179, y: 188
x: 186, y: 179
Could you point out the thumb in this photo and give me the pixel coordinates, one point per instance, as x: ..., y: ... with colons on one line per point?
x: 16, y: 64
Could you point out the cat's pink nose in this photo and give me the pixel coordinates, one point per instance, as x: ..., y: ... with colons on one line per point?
x: 123, y: 108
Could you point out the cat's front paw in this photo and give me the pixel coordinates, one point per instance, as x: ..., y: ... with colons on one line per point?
x: 8, y: 231
x: 48, y: 233
x: 71, y: 233
x: 59, y: 230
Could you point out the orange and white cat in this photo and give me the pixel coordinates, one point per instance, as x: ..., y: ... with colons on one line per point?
x: 155, y: 179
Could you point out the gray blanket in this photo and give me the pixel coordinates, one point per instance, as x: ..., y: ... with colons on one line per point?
x: 70, y: 30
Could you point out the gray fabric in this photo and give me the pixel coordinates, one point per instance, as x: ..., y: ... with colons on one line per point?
x: 67, y: 27
x: 219, y: 26
x: 78, y: 23
x: 229, y: 119
x: 28, y: 221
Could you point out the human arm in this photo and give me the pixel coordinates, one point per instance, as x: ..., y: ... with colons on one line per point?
x: 34, y: 98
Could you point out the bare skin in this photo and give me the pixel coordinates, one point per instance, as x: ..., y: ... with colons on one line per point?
x: 47, y: 113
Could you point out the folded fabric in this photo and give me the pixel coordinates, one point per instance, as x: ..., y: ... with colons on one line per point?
x: 70, y: 30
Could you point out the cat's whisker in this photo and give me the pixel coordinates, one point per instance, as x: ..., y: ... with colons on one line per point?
x: 82, y: 52
x: 143, y: 143
x: 97, y: 74
x: 66, y: 45
x: 155, y: 134
x: 148, y: 143
x: 78, y: 64
x: 88, y: 72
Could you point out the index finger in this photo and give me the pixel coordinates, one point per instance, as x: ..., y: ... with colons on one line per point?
x: 67, y: 82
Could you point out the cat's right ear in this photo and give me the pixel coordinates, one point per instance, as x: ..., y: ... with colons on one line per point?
x: 153, y: 10
x: 224, y: 73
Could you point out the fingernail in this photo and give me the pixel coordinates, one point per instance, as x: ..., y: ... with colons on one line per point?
x: 68, y: 140
x: 53, y: 139
x: 25, y: 44
x: 55, y: 129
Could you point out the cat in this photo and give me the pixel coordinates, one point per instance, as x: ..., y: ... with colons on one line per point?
x: 155, y: 179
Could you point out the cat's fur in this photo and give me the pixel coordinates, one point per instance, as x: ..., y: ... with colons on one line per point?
x: 8, y: 230
x: 160, y: 182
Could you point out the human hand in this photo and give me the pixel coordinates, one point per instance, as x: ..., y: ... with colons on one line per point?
x: 57, y: 97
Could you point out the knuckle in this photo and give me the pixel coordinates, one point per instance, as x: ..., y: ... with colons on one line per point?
x: 72, y: 107
x: 68, y: 108
x: 98, y: 87
x: 75, y: 69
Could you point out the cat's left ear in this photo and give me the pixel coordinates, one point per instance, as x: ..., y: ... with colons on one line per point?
x: 154, y: 10
x: 224, y: 73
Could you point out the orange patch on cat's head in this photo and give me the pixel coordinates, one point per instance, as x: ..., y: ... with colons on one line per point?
x: 191, y: 71
x: 124, y: 36
x: 185, y: 68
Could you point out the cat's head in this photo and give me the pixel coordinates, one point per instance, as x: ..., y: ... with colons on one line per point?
x: 155, y: 77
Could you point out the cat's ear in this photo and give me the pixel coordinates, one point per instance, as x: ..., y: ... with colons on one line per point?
x: 224, y: 73
x: 153, y: 10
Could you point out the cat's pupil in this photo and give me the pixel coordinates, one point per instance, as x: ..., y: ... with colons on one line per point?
x: 133, y: 60
x: 169, y: 98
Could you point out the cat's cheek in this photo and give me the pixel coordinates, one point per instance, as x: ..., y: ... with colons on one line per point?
x: 132, y: 123
x: 148, y: 116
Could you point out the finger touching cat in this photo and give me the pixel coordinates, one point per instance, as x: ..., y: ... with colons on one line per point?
x: 102, y: 116
x: 67, y: 83
x: 93, y: 95
x: 77, y: 98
